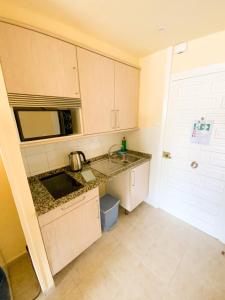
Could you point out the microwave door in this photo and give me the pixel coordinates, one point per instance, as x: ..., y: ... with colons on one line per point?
x: 65, y: 120
x: 37, y: 124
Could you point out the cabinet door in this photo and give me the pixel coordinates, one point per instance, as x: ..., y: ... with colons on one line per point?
x: 139, y: 184
x: 66, y: 237
x: 118, y: 186
x: 96, y: 75
x: 92, y: 230
x: 34, y: 63
x: 126, y: 96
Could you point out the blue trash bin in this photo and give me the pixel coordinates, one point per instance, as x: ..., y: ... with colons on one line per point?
x: 109, y: 207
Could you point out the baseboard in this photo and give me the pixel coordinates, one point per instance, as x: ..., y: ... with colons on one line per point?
x: 16, y: 258
x: 151, y: 202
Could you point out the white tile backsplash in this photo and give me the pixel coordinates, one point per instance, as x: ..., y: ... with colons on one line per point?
x: 56, y: 159
x: 38, y: 163
x: 42, y: 158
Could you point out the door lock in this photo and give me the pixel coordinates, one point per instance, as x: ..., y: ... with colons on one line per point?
x: 166, y: 155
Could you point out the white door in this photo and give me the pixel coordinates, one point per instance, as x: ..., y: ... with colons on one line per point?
x: 196, y: 195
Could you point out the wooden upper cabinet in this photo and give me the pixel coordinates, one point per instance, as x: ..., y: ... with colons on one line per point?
x: 34, y: 63
x: 126, y: 96
x: 97, y: 91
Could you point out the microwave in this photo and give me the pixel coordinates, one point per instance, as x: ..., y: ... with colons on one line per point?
x: 42, y: 123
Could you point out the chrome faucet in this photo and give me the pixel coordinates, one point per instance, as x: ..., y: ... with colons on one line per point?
x: 110, y: 149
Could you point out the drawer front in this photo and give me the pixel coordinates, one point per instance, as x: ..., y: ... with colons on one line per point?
x: 67, y: 207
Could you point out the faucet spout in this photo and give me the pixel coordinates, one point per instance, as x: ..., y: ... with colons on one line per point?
x: 110, y: 149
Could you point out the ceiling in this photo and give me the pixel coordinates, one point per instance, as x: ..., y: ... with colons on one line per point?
x: 138, y: 26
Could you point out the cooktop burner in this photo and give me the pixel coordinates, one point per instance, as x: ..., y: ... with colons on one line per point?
x: 60, y: 184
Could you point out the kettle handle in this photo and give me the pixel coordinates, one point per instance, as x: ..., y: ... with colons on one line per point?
x: 82, y: 154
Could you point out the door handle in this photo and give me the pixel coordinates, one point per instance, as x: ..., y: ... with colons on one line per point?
x: 194, y: 165
x: 166, y: 155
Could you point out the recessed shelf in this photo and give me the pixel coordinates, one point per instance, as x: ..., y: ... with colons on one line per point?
x: 50, y: 140
x: 69, y: 138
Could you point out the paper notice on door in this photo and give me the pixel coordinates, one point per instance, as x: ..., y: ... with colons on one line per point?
x: 201, y: 132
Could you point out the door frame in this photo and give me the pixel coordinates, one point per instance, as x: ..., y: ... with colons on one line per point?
x: 158, y: 168
x: 205, y: 70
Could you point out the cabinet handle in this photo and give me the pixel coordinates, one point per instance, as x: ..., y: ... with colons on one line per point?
x: 98, y: 216
x: 117, y: 119
x: 69, y: 206
x: 133, y: 178
x: 113, y: 118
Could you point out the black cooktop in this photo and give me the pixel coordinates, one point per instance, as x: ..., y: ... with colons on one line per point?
x: 60, y: 184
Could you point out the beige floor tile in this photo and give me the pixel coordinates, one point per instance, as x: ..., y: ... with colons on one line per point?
x: 201, y: 273
x: 148, y: 255
x: 100, y: 285
x: 23, y: 279
x: 161, y: 263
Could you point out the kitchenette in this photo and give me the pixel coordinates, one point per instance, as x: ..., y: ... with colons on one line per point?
x: 112, y: 150
x: 72, y: 109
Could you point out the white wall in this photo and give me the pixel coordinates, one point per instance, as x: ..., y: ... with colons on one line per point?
x: 201, y: 52
x: 155, y: 74
x: 147, y: 140
x: 42, y: 158
x: 12, y: 241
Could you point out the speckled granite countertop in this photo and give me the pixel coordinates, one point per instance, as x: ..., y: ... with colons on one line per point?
x: 43, y: 200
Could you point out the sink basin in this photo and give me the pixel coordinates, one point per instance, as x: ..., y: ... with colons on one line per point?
x: 115, y: 163
x: 60, y: 184
x: 129, y: 158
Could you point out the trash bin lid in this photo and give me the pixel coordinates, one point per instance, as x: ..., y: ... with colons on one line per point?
x: 107, y: 202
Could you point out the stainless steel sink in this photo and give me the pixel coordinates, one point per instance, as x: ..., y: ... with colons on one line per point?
x: 128, y: 158
x: 108, y: 166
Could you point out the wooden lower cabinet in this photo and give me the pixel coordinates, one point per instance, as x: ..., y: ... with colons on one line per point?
x: 131, y: 187
x: 69, y: 235
x: 139, y: 184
